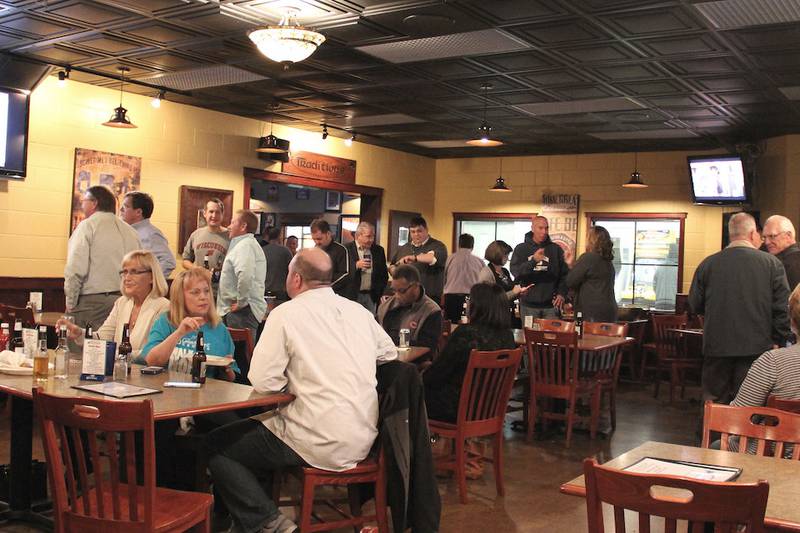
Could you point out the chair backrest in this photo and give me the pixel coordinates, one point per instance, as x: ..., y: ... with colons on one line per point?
x: 553, y: 357
x: 551, y: 324
x: 89, y: 496
x: 243, y: 351
x: 607, y: 329
x: 727, y: 505
x: 668, y: 342
x: 11, y: 314
x: 793, y: 406
x: 487, y: 387
x: 758, y: 430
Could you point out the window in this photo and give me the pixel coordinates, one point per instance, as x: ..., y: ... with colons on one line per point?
x: 488, y: 227
x: 303, y: 234
x: 648, y: 256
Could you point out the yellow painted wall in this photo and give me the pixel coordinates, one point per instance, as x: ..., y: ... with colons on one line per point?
x: 777, y: 189
x: 179, y: 145
x: 462, y: 186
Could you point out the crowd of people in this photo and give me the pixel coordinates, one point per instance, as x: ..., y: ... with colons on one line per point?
x: 332, y: 322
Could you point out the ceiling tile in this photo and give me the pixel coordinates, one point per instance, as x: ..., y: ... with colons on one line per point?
x: 32, y: 26
x: 87, y: 14
x: 160, y: 33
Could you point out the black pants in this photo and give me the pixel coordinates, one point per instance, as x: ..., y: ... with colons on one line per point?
x: 453, y: 306
x: 722, y: 377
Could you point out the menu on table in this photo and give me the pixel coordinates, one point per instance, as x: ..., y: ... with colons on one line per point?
x: 116, y: 389
x: 669, y: 467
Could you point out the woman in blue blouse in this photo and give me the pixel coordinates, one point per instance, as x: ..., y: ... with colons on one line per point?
x: 173, y: 337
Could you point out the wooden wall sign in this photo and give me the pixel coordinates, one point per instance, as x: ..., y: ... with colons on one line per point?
x: 323, y: 167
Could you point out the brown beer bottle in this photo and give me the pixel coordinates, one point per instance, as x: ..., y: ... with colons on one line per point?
x: 125, y: 348
x: 199, y: 360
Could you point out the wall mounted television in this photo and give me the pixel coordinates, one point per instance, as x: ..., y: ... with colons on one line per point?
x: 718, y: 180
x: 14, y: 111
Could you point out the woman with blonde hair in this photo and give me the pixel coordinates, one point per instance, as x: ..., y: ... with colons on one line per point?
x: 143, y: 289
x: 592, y: 278
x: 173, y: 338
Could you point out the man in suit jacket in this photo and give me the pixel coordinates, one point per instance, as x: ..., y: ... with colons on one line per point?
x: 368, y: 267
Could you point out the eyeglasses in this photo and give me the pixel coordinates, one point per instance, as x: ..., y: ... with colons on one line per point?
x: 123, y: 273
x: 773, y: 236
x: 405, y: 290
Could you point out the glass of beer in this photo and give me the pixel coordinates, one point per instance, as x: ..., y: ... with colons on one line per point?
x: 41, y: 365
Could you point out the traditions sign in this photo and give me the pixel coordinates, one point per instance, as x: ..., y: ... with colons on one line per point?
x: 321, y: 167
x: 561, y: 211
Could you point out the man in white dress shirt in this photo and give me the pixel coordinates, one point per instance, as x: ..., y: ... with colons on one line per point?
x: 94, y: 258
x: 322, y: 348
x: 136, y: 210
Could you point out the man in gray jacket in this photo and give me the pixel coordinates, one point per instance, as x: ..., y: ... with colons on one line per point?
x: 744, y: 296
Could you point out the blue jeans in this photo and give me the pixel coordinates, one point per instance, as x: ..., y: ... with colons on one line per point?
x: 243, y: 455
x: 365, y: 299
x: 536, y: 312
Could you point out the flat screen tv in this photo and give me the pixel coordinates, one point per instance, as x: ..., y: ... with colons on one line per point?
x: 718, y: 179
x: 14, y: 106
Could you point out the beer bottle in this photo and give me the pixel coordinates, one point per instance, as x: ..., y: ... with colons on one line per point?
x: 17, y: 344
x: 579, y: 324
x: 61, y: 355
x: 5, y: 335
x: 125, y: 348
x: 199, y: 360
x: 41, y: 359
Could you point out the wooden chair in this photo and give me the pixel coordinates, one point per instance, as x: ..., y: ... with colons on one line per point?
x: 757, y: 430
x: 633, y: 353
x: 792, y: 406
x: 11, y: 314
x: 370, y: 470
x: 604, y: 366
x: 243, y: 340
x: 481, y: 412
x: 553, y: 364
x: 726, y: 505
x: 671, y: 354
x: 99, y: 500
x: 557, y: 326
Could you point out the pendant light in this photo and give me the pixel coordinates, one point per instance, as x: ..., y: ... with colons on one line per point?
x: 484, y: 137
x: 500, y: 183
x: 636, y: 179
x: 288, y: 42
x: 271, y: 144
x: 119, y: 119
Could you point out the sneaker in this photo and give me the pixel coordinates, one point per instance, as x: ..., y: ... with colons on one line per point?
x: 280, y: 524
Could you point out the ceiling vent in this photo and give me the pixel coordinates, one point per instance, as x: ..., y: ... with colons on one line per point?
x: 732, y: 14
x: 201, y: 78
x: 470, y: 43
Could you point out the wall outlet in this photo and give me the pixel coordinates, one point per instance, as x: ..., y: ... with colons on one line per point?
x: 36, y: 299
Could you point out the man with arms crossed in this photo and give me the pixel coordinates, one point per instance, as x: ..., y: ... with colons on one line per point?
x: 323, y: 349
x: 210, y: 241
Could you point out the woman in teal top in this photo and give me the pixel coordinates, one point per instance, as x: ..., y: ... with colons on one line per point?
x: 173, y: 337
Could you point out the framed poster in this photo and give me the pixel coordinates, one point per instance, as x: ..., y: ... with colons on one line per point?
x: 193, y: 202
x: 120, y: 173
x: 561, y: 211
x: 333, y: 201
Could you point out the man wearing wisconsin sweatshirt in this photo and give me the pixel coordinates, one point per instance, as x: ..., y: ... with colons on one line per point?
x: 540, y: 261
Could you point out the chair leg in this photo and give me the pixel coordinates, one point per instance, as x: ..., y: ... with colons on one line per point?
x: 380, y: 505
x: 354, y: 499
x: 570, y: 417
x: 658, y: 383
x: 612, y: 406
x: 306, y: 505
x: 531, y: 417
x: 498, y: 463
x: 461, y: 473
x: 673, y: 382
x: 595, y: 412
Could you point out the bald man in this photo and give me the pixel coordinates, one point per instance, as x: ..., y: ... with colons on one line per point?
x: 779, y: 237
x: 322, y: 348
x: 743, y: 294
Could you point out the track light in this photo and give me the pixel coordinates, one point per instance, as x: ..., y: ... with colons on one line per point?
x: 156, y: 101
x: 63, y: 76
x: 324, y: 132
x: 349, y: 142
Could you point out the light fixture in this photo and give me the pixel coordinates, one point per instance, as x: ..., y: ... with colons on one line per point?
x: 119, y: 118
x: 636, y: 179
x: 349, y: 141
x: 288, y: 42
x: 63, y: 76
x: 324, y: 132
x: 156, y: 101
x: 500, y: 183
x: 271, y: 144
x: 484, y: 130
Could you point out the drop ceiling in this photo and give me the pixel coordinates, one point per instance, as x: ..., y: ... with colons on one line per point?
x: 567, y: 76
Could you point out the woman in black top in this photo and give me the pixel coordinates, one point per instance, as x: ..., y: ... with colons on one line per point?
x: 495, y: 273
x: 488, y: 329
x: 592, y: 278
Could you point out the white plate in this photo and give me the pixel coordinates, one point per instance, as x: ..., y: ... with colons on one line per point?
x: 216, y: 360
x: 16, y: 370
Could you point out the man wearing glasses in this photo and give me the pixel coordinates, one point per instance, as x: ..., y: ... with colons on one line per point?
x: 410, y: 308
x: 94, y: 254
x: 779, y: 237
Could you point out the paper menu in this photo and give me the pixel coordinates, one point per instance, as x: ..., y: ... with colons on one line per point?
x: 700, y: 471
x: 94, y: 357
x: 31, y: 339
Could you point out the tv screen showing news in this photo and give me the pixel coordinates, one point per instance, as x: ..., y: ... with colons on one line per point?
x: 13, y: 133
x: 718, y: 179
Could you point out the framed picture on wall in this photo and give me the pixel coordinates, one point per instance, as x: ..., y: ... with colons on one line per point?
x: 193, y: 202
x: 302, y: 194
x: 333, y: 201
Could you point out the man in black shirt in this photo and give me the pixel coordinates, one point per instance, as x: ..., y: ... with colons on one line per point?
x: 278, y: 258
x: 779, y: 237
x: 425, y: 254
x: 323, y: 238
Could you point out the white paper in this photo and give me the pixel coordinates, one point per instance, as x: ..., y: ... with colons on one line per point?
x: 31, y: 339
x: 94, y: 357
x: 36, y: 299
x: 650, y: 465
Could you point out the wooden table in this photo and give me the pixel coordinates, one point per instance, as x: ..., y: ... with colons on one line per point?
x: 411, y: 354
x: 214, y: 396
x: 783, y: 513
x: 587, y: 343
